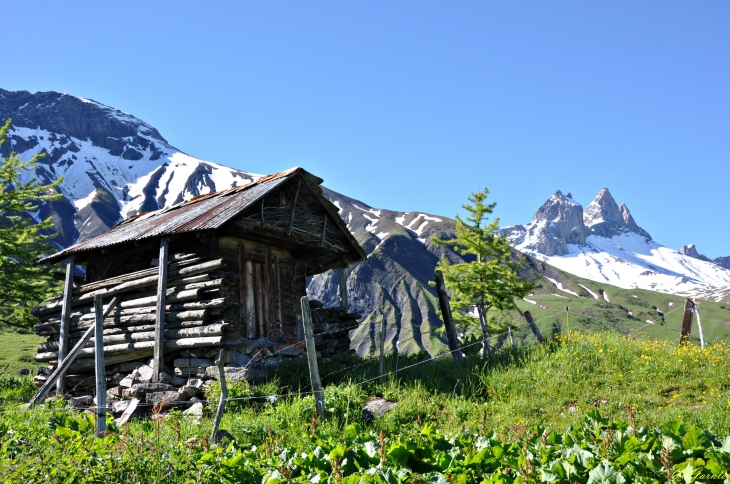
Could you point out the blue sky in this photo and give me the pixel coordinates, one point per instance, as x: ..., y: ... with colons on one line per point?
x: 412, y: 105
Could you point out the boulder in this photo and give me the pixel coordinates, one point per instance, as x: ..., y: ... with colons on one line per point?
x: 139, y: 390
x: 190, y: 391
x: 376, y: 407
x: 192, y: 362
x: 170, y: 399
x: 145, y: 373
x: 120, y: 406
x: 234, y: 374
x: 177, y: 381
x: 195, y: 410
x: 165, y: 377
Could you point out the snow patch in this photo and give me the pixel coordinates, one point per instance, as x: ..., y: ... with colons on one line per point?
x: 595, y: 296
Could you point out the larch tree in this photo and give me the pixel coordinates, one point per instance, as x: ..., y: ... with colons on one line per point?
x: 23, y: 238
x: 489, y: 280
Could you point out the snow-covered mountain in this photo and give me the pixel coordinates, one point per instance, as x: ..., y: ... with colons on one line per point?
x: 113, y: 165
x: 605, y: 244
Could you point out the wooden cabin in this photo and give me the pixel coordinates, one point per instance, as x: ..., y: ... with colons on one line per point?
x: 229, y: 268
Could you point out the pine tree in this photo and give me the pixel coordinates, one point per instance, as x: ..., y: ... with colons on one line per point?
x: 489, y: 281
x: 23, y: 284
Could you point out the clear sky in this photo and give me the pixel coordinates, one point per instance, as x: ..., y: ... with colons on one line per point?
x: 411, y: 105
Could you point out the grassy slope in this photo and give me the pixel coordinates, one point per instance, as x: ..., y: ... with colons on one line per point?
x: 628, y: 311
x: 17, y: 350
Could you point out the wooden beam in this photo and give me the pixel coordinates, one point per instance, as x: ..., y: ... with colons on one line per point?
x: 64, y: 364
x: 293, y: 208
x: 266, y: 292
x: 343, y: 286
x: 158, y: 358
x: 451, y: 334
x: 100, y: 370
x: 223, y: 398
x: 686, y: 321
x: 68, y: 289
x: 324, y: 230
x: 382, y: 349
x: 312, y: 358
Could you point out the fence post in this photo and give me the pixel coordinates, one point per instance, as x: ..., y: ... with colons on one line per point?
x: 451, y: 336
x: 533, y: 326
x: 160, y: 311
x: 64, y: 336
x: 312, y: 357
x: 100, y: 370
x: 686, y: 321
x: 511, y: 337
x: 382, y: 348
x: 699, y: 323
x: 342, y: 271
x: 224, y: 396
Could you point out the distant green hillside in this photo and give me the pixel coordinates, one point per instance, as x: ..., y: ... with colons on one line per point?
x: 628, y: 311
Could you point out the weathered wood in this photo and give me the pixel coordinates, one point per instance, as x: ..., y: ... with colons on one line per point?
x: 100, y: 369
x: 293, y: 208
x: 699, y: 324
x: 65, y: 327
x: 451, y: 335
x: 65, y: 364
x: 312, y: 357
x: 249, y: 308
x: 194, y: 332
x: 131, y: 408
x: 159, y: 354
x: 511, y: 337
x: 277, y: 299
x: 533, y: 327
x: 115, y: 281
x: 268, y: 330
x: 382, y: 348
x: 686, y: 321
x: 174, y: 258
x: 136, y: 284
x: 324, y: 230
x: 223, y: 398
x: 342, y: 271
x: 259, y: 299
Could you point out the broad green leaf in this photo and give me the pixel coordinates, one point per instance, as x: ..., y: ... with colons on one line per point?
x: 605, y: 474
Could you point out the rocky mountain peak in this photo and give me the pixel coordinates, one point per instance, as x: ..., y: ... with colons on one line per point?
x: 691, y: 251
x: 604, y: 217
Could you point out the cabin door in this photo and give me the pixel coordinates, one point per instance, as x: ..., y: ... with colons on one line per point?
x: 259, y: 298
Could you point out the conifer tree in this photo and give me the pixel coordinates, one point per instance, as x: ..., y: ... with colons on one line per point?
x: 489, y: 280
x: 23, y: 284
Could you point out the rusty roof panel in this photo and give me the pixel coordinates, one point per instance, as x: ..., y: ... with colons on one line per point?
x: 204, y: 212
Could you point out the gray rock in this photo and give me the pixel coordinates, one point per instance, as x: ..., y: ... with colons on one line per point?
x: 192, y: 363
x: 114, y: 392
x: 139, y: 390
x: 190, y: 391
x: 234, y: 358
x: 145, y: 373
x: 24, y: 371
x: 196, y: 410
x: 190, y: 372
x: 234, y: 374
x: 177, y: 381
x: 128, y: 381
x: 377, y: 407
x: 120, y: 406
x: 83, y: 401
x: 170, y: 399
x: 165, y: 377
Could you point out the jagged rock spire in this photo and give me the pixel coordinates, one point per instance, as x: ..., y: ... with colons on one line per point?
x: 605, y: 218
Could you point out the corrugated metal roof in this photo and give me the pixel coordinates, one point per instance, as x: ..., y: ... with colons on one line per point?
x: 204, y: 212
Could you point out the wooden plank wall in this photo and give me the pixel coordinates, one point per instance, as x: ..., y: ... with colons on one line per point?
x: 269, y: 287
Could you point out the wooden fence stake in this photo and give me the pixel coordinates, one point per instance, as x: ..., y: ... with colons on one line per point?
x: 451, y: 335
x: 100, y: 370
x: 64, y: 365
x: 158, y: 358
x: 533, y: 326
x: 511, y: 337
x: 224, y: 396
x: 68, y: 290
x: 312, y: 358
x: 343, y: 287
x: 699, y: 323
x: 382, y: 348
x: 686, y: 322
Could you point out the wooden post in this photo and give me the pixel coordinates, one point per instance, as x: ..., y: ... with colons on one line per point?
x: 100, y: 370
x: 68, y: 290
x: 511, y: 337
x: 293, y: 208
x: 224, y: 396
x: 343, y: 287
x: 699, y: 323
x: 533, y: 326
x: 312, y: 357
x: 64, y: 365
x: 324, y: 231
x: 451, y: 336
x: 382, y: 348
x: 686, y: 321
x: 158, y: 358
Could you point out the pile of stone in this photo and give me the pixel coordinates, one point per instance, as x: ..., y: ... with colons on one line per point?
x: 332, y: 327
x: 191, y: 371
